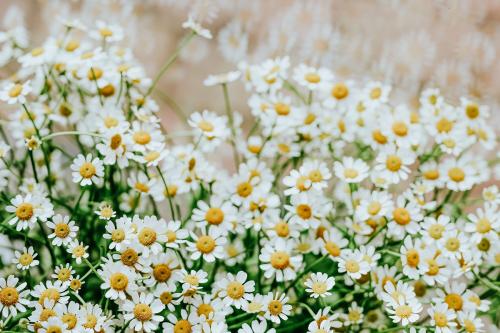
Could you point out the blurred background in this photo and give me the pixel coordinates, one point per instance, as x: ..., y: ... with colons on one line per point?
x: 413, y: 44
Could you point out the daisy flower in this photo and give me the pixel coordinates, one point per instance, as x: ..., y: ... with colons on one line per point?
x: 64, y: 230
x: 458, y: 174
x: 26, y: 259
x: 14, y: 93
x: 107, y: 32
x: 105, y: 212
x: 319, y: 284
x: 225, y: 78
x: 142, y: 312
x: 119, y: 232
x: 485, y: 223
x: 374, y: 205
x: 353, y: 263
x: 333, y: 243
x: 13, y: 297
x: 87, y: 171
x: 28, y: 210
x: 185, y: 323
x: 307, y: 209
x: 211, y: 127
x: 235, y: 290
x: 218, y: 214
x: 150, y: 233
x: 410, y: 257
x: 351, y: 170
x: 163, y: 268
x: 278, y: 261
x: 310, y: 77
x: 208, y: 246
x: 354, y: 315
x: 56, y: 291
x: 442, y: 318
x: 435, y: 228
x: 78, y: 251
x: 276, y: 307
x: 119, y: 280
x: 404, y: 312
x: 406, y: 216
x: 175, y: 234
x: 393, y: 163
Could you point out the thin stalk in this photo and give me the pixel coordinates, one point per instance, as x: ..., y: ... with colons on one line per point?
x: 229, y: 114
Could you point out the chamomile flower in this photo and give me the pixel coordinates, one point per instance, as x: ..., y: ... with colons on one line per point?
x: 276, y: 307
x: 142, y: 312
x: 209, y: 246
x: 353, y: 264
x: 87, y: 170
x: 442, y: 318
x: 26, y: 259
x: 64, y: 230
x: 28, y: 210
x: 393, y: 163
x: 14, y: 93
x: 319, y: 285
x: 235, y: 290
x: 351, y: 170
x: 118, y: 280
x: 310, y: 77
x: 279, y: 261
x: 13, y: 297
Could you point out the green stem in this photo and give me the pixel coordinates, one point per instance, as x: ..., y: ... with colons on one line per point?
x: 229, y: 114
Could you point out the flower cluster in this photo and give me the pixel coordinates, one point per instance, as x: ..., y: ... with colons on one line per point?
x: 343, y: 211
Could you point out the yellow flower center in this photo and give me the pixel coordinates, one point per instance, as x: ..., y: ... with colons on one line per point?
x: 403, y: 311
x: 235, y: 290
x: 143, y: 312
x: 393, y: 163
x: 151, y: 156
x: 49, y: 293
x: 374, y: 208
x: 91, y: 321
x: 452, y: 244
x: 205, y: 126
x: 379, y: 137
x: 162, y: 272
x: 244, y: 189
x: 182, y: 326
x: 61, y: 230
x: 9, y: 296
x: 94, y: 73
x: 444, y: 125
x: 166, y: 297
x: 440, y: 319
x: 118, y: 235
x: 484, y: 245
x: 16, y: 90
x: 87, y: 170
x: 105, y: 32
x: 340, y: 91
x: 412, y: 257
x: 115, y: 142
x: 433, y: 267
x: 309, y: 119
x: 53, y: 329
x: 25, y: 259
x: 214, y: 216
x: 192, y: 280
x: 376, y: 93
x: 75, y: 284
x: 332, y: 248
x: 456, y: 174
x: 315, y: 176
x: 110, y: 122
x: 469, y: 326
x: 147, y: 236
x: 454, y: 301
x: 205, y: 244
x: 282, y: 109
x: 419, y: 288
x: 141, y: 187
x: 280, y: 260
x: 142, y: 137
x: 399, y: 128
x: 37, y: 51
x: 275, y: 307
x: 118, y: 281
x: 436, y: 231
x: 64, y: 274
x: 72, y: 45
x: 312, y: 78
x: 282, y: 229
x: 24, y: 211
x: 483, y: 225
x: 319, y: 287
x: 401, y: 216
x: 350, y: 173
x: 129, y: 257
x: 205, y: 310
x: 70, y: 320
x: 304, y: 211
x: 352, y: 266
x: 472, y: 111
x: 431, y: 174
